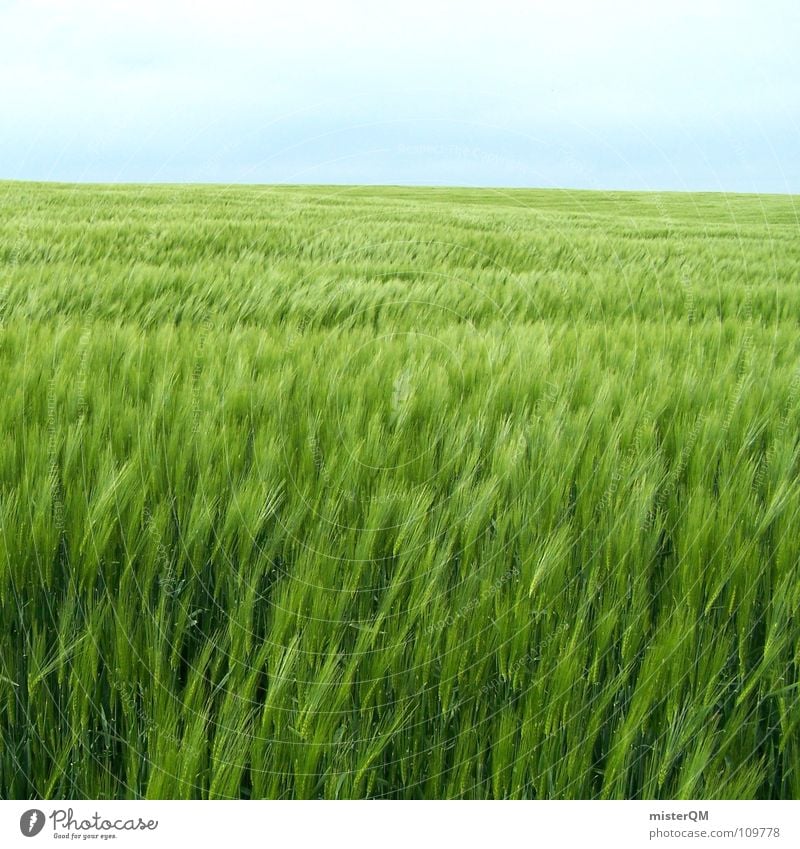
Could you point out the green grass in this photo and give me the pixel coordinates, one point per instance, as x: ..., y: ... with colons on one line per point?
x: 353, y: 492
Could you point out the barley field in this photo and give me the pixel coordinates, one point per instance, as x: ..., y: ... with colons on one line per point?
x: 339, y: 492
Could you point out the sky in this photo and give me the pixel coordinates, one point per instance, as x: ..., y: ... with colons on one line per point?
x: 679, y: 95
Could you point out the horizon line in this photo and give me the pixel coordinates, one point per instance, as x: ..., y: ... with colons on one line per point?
x: 428, y: 186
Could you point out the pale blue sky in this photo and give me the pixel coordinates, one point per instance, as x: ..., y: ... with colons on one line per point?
x: 678, y: 95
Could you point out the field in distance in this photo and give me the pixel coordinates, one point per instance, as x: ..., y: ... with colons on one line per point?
x: 383, y: 492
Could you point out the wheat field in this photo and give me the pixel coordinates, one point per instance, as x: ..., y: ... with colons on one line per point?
x: 337, y: 492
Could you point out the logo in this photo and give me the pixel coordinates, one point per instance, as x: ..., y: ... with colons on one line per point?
x: 31, y: 822
x: 66, y: 825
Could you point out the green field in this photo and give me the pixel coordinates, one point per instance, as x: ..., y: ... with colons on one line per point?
x: 383, y: 492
